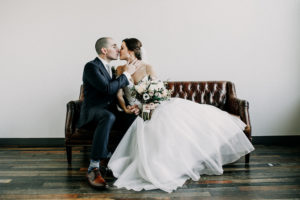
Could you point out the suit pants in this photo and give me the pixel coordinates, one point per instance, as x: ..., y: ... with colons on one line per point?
x: 104, y: 120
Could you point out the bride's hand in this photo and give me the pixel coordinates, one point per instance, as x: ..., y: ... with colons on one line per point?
x: 132, y: 66
x: 128, y: 110
x: 134, y: 109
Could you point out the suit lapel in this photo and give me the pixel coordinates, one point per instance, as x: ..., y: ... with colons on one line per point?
x: 113, y: 71
x: 102, y: 68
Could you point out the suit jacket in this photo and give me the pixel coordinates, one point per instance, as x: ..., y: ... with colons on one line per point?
x: 99, y: 89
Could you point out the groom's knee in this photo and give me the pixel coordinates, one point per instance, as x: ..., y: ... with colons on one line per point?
x: 105, y: 117
x: 110, y: 117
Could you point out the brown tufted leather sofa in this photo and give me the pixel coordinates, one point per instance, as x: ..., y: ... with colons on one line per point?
x: 217, y: 93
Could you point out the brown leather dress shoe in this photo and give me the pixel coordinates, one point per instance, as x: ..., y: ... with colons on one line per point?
x: 95, y: 179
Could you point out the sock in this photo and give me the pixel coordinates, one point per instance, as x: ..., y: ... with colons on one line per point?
x: 93, y: 164
x: 105, y: 160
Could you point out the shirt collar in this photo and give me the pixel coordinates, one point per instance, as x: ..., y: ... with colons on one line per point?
x: 104, y: 62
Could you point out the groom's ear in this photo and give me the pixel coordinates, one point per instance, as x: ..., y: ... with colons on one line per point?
x: 104, y: 51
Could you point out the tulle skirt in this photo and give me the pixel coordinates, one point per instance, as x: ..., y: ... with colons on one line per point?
x: 182, y: 140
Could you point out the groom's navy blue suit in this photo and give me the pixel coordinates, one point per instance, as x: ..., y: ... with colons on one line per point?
x: 99, y: 105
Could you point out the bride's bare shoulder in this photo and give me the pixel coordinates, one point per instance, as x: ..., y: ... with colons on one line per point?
x: 148, y: 67
x: 150, y: 70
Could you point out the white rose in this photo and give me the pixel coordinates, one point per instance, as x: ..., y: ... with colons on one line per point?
x: 144, y: 86
x: 160, y: 85
x: 164, y: 94
x: 152, y: 87
x: 151, y: 93
x: 155, y: 81
x: 139, y: 89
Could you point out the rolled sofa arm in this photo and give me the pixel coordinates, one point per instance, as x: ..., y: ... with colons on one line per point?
x: 73, y: 111
x: 241, y: 108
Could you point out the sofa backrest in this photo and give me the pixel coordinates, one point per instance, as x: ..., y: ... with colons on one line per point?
x: 205, y: 92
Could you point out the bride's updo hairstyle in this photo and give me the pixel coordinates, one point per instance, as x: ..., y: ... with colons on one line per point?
x: 134, y: 45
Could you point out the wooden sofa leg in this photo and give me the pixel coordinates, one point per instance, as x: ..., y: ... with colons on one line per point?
x: 247, y: 158
x: 69, y: 154
x: 85, y: 148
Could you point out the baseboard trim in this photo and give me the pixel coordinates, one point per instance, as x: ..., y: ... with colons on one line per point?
x: 60, y: 142
x: 276, y: 140
x: 32, y: 142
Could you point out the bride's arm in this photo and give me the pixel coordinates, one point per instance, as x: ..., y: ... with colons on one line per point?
x: 119, y: 71
x: 150, y: 71
x: 122, y: 101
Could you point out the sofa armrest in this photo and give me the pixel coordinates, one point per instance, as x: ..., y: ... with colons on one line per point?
x: 71, y: 116
x: 241, y: 108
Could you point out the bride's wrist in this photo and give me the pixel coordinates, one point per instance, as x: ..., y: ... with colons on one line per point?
x: 126, y: 110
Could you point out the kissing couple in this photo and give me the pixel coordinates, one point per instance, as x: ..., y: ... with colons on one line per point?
x: 182, y: 140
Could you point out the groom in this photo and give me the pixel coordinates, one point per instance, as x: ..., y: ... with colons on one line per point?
x: 99, y: 105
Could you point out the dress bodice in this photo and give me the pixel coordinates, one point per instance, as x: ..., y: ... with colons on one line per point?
x: 128, y: 92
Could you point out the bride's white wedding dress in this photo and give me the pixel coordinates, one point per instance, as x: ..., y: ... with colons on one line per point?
x: 182, y: 140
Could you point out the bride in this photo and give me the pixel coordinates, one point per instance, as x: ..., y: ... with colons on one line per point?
x: 182, y: 140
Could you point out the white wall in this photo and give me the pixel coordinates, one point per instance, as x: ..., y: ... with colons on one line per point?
x: 45, y: 44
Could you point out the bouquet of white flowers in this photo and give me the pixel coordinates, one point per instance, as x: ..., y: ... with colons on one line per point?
x: 150, y: 93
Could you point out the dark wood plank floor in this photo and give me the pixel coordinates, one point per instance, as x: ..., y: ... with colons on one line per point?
x: 43, y: 173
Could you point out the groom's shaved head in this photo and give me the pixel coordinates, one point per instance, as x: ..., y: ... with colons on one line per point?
x: 101, y: 43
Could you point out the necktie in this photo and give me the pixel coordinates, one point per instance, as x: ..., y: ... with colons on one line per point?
x: 109, y: 70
